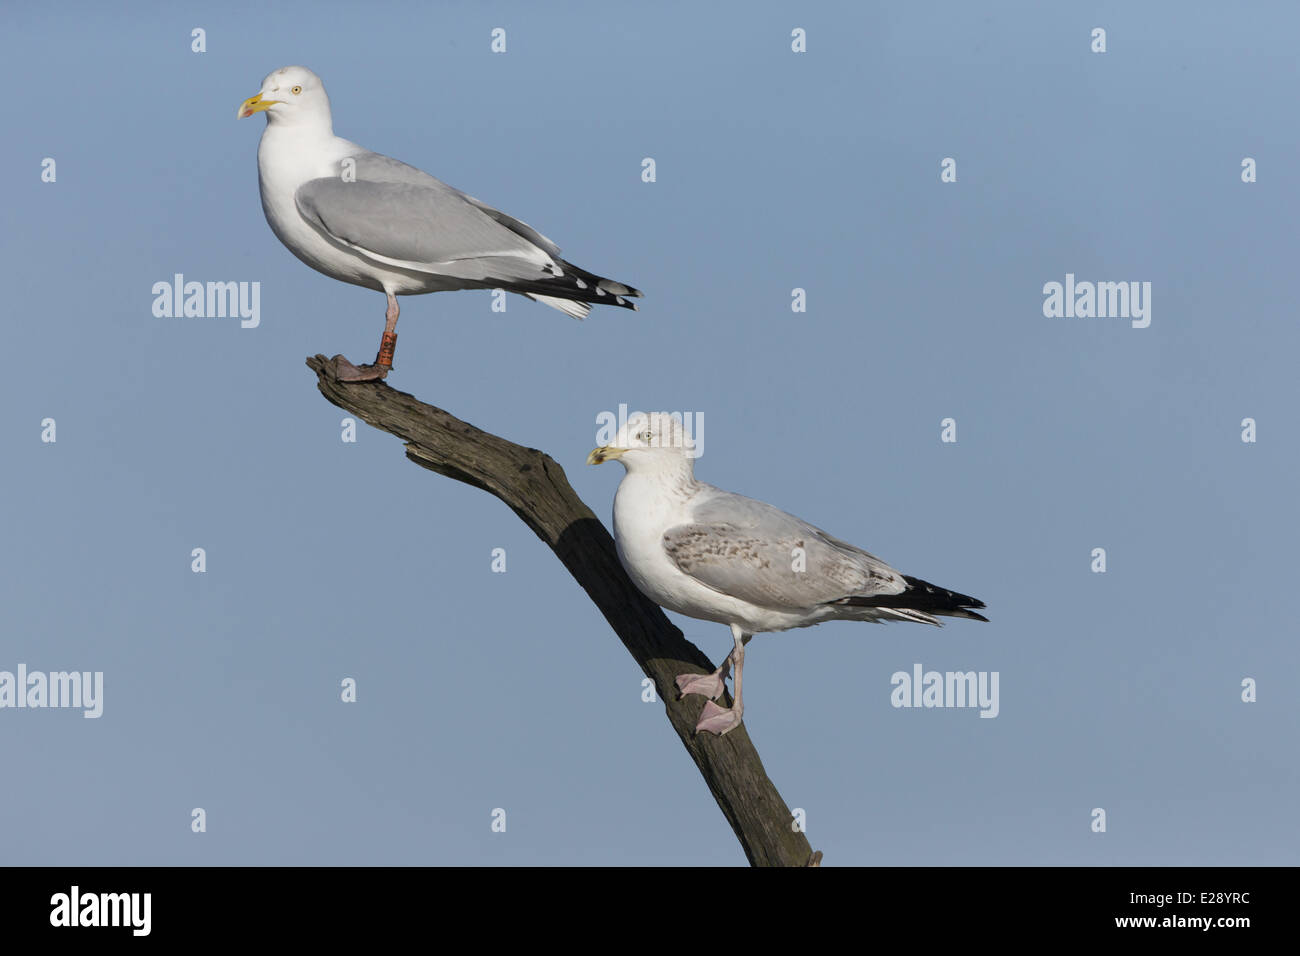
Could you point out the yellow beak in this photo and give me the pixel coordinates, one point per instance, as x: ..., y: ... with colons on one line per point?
x: 254, y: 104
x: 606, y: 453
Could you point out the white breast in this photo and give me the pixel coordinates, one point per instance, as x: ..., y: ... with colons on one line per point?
x: 643, y: 510
x: 289, y: 157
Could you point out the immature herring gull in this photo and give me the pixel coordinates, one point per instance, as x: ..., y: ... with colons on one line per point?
x: 370, y: 220
x: 718, y: 556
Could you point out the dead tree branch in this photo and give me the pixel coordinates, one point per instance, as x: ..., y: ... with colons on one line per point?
x: 536, y: 489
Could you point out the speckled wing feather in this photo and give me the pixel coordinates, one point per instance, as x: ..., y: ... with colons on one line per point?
x: 752, y: 551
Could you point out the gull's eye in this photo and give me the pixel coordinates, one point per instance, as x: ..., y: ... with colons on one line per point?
x: 644, y: 436
x: 296, y: 90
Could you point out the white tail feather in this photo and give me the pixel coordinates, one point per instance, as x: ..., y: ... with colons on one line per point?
x: 579, y: 310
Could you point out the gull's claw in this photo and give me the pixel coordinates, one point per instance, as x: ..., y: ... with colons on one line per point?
x: 707, y: 685
x: 345, y: 371
x: 718, y: 720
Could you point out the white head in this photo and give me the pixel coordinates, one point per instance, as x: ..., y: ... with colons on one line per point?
x: 656, y: 441
x: 292, y: 95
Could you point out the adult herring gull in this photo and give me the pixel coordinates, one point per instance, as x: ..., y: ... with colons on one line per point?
x: 365, y: 218
x: 719, y: 556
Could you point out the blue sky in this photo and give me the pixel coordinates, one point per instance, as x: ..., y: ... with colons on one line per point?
x: 775, y: 170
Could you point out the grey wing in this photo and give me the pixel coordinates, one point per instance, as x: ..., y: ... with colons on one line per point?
x: 752, y: 551
x: 418, y: 224
x: 376, y: 167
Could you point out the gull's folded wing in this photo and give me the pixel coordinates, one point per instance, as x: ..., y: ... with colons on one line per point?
x: 752, y: 551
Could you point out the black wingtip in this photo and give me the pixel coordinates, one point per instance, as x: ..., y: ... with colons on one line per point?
x: 925, y: 597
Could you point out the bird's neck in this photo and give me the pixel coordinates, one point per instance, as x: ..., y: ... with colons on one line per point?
x: 292, y: 153
x: 675, y: 475
x: 312, y: 125
x: 648, y: 498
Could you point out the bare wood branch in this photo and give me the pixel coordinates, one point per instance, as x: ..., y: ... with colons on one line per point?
x: 536, y: 489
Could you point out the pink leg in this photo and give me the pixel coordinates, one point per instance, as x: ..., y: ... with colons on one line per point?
x: 707, y: 685
x: 347, y: 372
x: 720, y: 720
